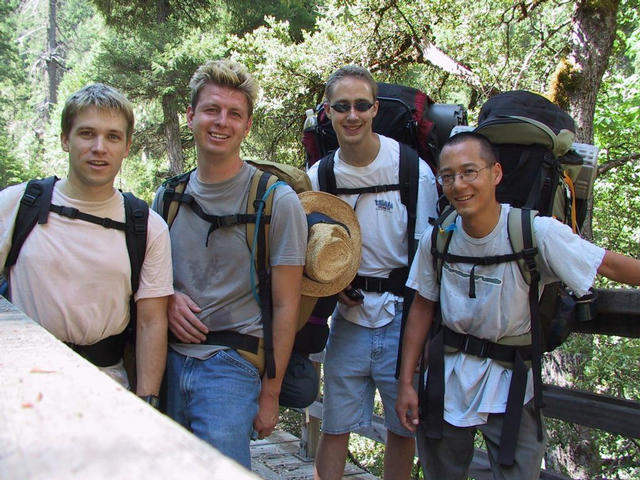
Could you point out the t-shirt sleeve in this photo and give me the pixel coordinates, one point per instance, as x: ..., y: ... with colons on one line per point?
x: 9, y: 204
x: 427, y: 199
x: 156, y: 277
x: 288, y: 229
x: 422, y: 277
x: 566, y: 256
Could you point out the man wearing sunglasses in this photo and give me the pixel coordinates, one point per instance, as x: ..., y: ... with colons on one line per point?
x: 365, y: 327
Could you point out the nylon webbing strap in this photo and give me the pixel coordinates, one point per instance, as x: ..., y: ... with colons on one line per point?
x: 513, y: 413
x: 433, y: 407
x: 314, y: 218
x: 394, y: 283
x: 371, y: 189
x: 71, y: 212
x: 104, y: 353
x: 228, y: 338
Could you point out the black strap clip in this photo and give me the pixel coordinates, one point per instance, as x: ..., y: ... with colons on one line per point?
x: 69, y: 212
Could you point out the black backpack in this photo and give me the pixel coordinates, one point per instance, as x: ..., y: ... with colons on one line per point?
x: 35, y: 206
x: 405, y: 114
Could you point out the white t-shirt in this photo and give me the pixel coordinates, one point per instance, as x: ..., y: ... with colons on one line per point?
x: 74, y: 277
x: 383, y: 221
x: 474, y: 386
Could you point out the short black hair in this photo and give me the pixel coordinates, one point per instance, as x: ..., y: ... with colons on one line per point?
x: 487, y: 150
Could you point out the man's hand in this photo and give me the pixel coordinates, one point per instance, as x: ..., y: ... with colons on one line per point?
x: 345, y: 299
x: 407, y: 406
x: 268, y: 411
x: 183, y: 322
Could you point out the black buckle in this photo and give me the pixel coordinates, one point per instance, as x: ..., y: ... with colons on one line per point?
x: 257, y: 203
x: 475, y: 346
x: 106, y: 222
x: 69, y: 212
x: 529, y: 254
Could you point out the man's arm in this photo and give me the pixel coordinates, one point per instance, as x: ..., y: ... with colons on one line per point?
x: 620, y: 268
x: 151, y: 344
x: 285, y: 291
x: 418, y: 325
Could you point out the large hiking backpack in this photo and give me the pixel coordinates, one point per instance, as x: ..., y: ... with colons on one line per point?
x: 35, y: 206
x: 542, y: 168
x: 405, y: 114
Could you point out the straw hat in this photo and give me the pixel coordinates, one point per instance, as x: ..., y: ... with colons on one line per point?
x: 334, y: 246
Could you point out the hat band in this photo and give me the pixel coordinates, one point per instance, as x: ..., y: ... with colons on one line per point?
x: 314, y: 218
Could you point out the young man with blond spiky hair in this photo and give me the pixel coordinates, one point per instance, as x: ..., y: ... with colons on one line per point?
x: 213, y: 390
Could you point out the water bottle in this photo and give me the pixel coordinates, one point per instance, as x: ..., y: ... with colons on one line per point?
x: 309, y: 138
x: 310, y: 122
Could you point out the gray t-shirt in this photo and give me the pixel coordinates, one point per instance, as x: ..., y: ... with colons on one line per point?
x: 214, y: 268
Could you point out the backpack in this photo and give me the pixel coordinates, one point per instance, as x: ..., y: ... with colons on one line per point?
x: 405, y: 114
x: 542, y: 168
x: 256, y: 218
x: 35, y: 206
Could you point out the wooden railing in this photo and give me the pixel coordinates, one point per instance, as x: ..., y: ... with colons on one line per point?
x: 618, y: 313
x: 61, y: 418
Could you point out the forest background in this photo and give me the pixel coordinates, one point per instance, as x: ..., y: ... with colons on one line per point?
x: 582, y: 54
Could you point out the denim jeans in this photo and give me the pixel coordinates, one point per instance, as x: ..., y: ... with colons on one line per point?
x: 216, y: 399
x: 359, y: 360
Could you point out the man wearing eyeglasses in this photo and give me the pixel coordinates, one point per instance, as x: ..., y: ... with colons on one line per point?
x: 477, y: 387
x: 363, y: 342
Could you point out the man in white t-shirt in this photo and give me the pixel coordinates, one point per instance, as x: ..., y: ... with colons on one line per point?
x: 74, y: 276
x: 363, y: 342
x: 476, y: 388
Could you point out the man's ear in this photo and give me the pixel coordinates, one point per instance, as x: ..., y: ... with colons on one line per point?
x: 190, y: 116
x: 496, y: 170
x: 376, y: 104
x: 327, y: 110
x: 64, y: 142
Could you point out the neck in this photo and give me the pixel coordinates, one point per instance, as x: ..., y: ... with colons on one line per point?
x: 362, y: 154
x: 482, y: 225
x: 218, y: 170
x: 79, y: 191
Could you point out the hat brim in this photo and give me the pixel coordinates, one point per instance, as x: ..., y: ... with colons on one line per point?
x: 342, y: 212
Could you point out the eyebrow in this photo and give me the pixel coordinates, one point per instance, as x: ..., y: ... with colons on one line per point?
x: 464, y: 165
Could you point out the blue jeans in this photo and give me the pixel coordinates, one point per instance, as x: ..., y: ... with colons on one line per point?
x: 359, y: 360
x: 216, y: 399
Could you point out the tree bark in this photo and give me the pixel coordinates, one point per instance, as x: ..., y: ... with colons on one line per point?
x: 171, y: 125
x: 51, y: 60
x: 575, y: 88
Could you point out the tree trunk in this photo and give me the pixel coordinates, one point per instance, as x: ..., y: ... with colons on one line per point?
x: 51, y: 60
x: 575, y: 87
x: 172, y: 133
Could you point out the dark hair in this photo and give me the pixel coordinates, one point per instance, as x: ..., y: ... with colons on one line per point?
x: 350, y: 71
x: 487, y: 150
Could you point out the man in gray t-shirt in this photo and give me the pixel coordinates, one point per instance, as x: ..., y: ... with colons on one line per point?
x: 213, y: 390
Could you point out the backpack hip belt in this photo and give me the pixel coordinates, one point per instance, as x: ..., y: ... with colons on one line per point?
x: 432, y: 399
x: 394, y: 283
x: 105, y: 353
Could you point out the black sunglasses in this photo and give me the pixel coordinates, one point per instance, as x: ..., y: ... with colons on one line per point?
x: 345, y: 107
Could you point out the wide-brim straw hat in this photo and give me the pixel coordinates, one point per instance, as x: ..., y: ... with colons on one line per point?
x: 334, y: 246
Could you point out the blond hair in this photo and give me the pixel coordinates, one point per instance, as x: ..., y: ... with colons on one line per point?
x: 224, y: 73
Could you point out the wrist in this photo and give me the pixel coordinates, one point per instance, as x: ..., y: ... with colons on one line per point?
x: 152, y: 400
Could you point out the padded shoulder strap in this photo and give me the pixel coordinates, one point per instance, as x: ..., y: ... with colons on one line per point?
x: 136, y: 220
x: 34, y: 208
x: 441, y: 237
x: 174, y: 188
x: 522, y: 238
x: 409, y: 177
x: 326, y: 176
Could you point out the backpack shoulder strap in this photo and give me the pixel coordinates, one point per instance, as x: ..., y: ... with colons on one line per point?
x: 440, y: 239
x: 522, y: 238
x: 136, y: 220
x: 260, y: 205
x: 174, y: 187
x: 34, y: 208
x: 409, y: 177
x: 326, y: 176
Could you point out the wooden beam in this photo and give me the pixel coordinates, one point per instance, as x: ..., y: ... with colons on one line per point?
x: 607, y: 413
x: 63, y: 418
